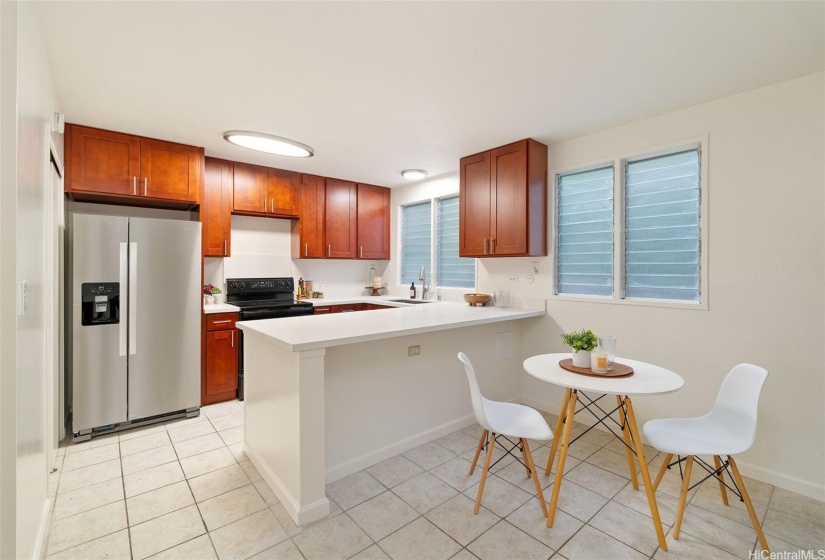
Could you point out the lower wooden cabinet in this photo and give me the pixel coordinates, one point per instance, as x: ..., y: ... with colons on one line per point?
x: 219, y: 381
x: 349, y: 308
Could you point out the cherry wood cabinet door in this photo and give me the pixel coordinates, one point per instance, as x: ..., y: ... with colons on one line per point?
x: 221, y: 361
x: 284, y: 189
x: 170, y: 171
x: 311, y: 223
x: 475, y: 206
x: 508, y: 170
x: 251, y: 189
x: 216, y: 208
x: 100, y: 161
x: 373, y: 224
x: 340, y: 219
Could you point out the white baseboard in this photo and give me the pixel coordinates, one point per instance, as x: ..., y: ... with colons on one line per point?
x: 300, y: 515
x: 762, y: 474
x: 337, y: 472
x: 45, y: 529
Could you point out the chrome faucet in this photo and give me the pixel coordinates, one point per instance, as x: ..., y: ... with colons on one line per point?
x: 422, y: 275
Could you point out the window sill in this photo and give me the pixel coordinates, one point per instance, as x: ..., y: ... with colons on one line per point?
x: 634, y: 302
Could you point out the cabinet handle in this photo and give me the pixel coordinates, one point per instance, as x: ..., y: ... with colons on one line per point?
x: 134, y: 185
x: 272, y: 205
x: 492, y: 245
x: 329, y: 250
x: 266, y: 205
x: 224, y: 247
x: 145, y: 185
x: 362, y: 252
x: 221, y: 322
x: 306, y: 249
x: 233, y: 339
x: 485, y: 245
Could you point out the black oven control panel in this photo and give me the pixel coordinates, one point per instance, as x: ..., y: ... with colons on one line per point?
x: 237, y: 286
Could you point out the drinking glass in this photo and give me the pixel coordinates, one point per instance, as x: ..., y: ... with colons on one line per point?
x: 608, y: 344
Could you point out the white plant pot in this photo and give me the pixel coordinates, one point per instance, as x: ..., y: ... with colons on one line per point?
x: 581, y: 359
x: 219, y: 298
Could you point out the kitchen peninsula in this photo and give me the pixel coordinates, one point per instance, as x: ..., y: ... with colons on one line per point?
x: 329, y: 395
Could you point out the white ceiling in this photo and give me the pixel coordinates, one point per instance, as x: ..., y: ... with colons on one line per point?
x: 380, y: 87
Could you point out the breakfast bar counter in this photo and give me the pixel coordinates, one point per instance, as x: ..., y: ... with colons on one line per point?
x: 329, y: 395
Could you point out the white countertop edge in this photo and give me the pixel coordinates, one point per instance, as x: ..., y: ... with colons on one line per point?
x: 220, y: 308
x: 251, y: 327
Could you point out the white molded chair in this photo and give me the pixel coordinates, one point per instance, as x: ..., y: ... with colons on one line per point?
x: 506, y: 420
x: 728, y: 429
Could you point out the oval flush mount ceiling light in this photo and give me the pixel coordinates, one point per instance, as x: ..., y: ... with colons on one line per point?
x: 268, y: 143
x: 414, y: 174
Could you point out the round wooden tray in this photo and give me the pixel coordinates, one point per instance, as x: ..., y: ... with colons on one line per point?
x: 619, y: 370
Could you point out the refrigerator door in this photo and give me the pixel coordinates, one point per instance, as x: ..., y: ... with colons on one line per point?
x: 99, y: 249
x: 165, y: 305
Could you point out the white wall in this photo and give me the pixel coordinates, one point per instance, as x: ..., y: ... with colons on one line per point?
x: 262, y: 247
x: 24, y: 480
x: 767, y: 268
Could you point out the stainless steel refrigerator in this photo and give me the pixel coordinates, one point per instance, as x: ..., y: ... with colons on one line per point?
x: 136, y: 308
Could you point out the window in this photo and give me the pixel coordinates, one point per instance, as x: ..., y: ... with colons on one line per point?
x: 651, y: 249
x: 585, y: 233
x: 434, y: 243
x: 662, y: 227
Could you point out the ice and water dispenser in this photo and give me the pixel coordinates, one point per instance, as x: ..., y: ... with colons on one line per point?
x: 100, y: 303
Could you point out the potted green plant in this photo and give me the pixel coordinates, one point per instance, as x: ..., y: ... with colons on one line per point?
x: 582, y: 342
x: 210, y: 292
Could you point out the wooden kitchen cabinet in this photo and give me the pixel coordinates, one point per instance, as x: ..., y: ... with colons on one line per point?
x: 503, y: 201
x: 219, y: 380
x: 106, y: 166
x: 262, y: 191
x: 340, y: 213
x: 311, y: 221
x: 373, y: 222
x: 216, y: 208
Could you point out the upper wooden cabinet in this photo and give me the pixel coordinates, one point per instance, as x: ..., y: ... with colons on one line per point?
x: 503, y: 202
x: 311, y: 222
x: 261, y: 191
x: 373, y: 222
x: 114, y: 167
x: 340, y: 212
x: 216, y: 208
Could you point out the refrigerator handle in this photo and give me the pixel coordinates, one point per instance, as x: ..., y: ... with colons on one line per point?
x: 124, y: 265
x: 133, y: 291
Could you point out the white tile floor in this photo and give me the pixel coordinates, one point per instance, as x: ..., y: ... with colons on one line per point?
x: 186, y: 490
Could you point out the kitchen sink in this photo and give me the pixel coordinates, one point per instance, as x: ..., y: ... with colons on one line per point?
x: 409, y: 301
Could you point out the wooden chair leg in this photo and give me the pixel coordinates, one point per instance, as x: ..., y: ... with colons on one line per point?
x: 529, y: 456
x: 662, y: 469
x: 490, y: 446
x: 717, y: 461
x: 628, y: 444
x: 755, y: 520
x: 565, y: 442
x: 524, y: 457
x: 481, y: 441
x: 559, y: 423
x: 677, y: 527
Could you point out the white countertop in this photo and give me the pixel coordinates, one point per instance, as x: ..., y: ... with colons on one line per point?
x: 220, y: 308
x: 321, y: 331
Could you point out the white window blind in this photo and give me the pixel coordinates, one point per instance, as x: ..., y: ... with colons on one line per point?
x: 662, y: 227
x: 451, y: 270
x: 416, y: 240
x: 585, y: 233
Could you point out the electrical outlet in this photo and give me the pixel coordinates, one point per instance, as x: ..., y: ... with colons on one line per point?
x: 414, y: 350
x: 513, y: 278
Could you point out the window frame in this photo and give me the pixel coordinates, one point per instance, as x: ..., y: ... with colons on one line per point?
x: 432, y: 273
x: 619, y: 163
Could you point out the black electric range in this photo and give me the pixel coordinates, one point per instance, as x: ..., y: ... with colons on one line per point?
x: 265, y: 298
x: 262, y: 298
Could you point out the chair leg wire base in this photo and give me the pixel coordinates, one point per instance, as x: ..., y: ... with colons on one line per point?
x: 717, y: 472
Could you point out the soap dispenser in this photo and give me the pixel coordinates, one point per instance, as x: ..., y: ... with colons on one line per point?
x: 412, y: 290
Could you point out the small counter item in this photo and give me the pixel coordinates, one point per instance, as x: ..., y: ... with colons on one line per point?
x: 598, y: 361
x: 477, y: 299
x: 412, y: 290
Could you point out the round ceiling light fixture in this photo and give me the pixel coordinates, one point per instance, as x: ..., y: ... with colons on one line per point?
x: 268, y: 143
x: 414, y: 174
